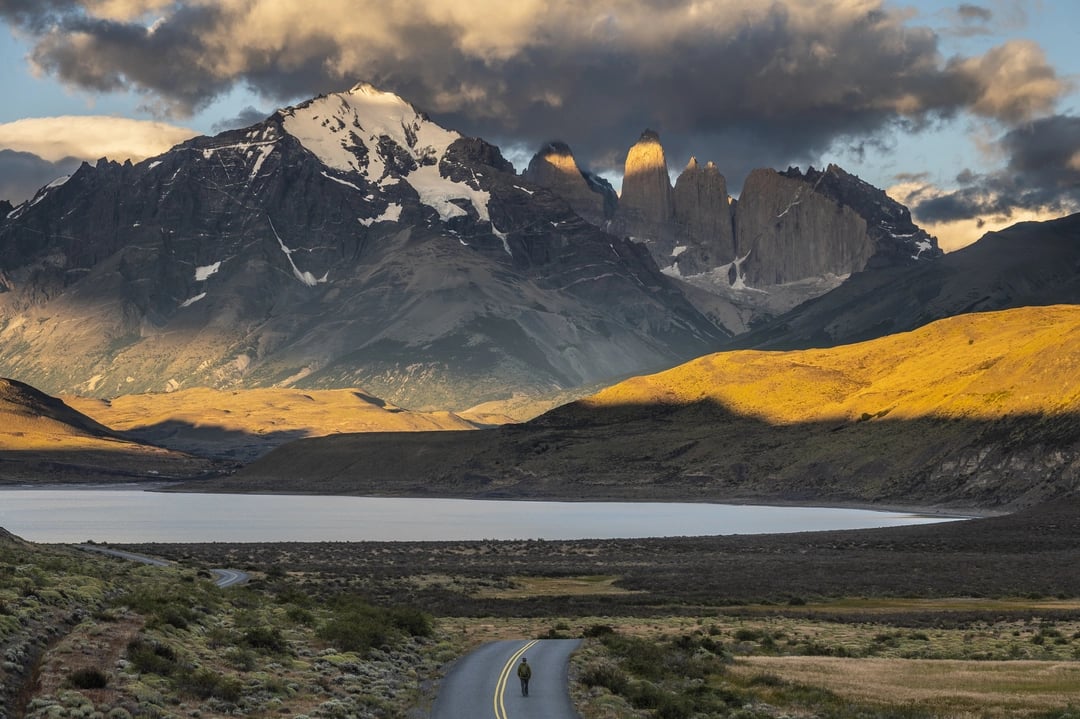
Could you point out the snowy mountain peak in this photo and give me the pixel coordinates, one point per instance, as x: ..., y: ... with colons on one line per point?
x: 349, y: 132
x: 383, y: 139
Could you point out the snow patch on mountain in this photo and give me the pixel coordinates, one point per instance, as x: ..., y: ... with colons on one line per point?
x: 263, y: 153
x: 202, y: 273
x: 392, y: 213
x: 438, y: 193
x: 306, y: 277
x: 340, y: 181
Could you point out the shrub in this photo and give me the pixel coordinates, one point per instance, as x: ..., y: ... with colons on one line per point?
x: 748, y: 635
x: 88, y: 678
x: 605, y: 675
x: 150, y: 657
x: 267, y: 639
x: 356, y: 633
x: 597, y: 630
x: 205, y: 684
x: 412, y: 621
x: 300, y: 615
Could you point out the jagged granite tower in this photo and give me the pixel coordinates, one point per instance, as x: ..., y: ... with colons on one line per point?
x: 702, y: 219
x: 554, y: 167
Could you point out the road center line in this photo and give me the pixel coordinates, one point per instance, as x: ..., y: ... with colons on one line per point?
x: 500, y: 686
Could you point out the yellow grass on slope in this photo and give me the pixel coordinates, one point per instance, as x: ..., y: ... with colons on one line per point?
x: 260, y: 411
x: 976, y: 366
x: 31, y: 420
x: 948, y: 688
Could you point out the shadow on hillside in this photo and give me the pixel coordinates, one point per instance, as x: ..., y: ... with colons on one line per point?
x: 701, y: 452
x: 213, y: 441
x: 105, y: 465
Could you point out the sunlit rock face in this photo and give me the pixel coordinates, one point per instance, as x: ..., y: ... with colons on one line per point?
x: 702, y: 219
x: 554, y: 167
x: 646, y: 206
x: 344, y: 242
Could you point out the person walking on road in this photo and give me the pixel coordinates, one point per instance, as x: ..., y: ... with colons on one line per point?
x: 524, y: 674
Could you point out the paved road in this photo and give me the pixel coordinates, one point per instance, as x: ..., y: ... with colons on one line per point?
x: 485, y: 684
x: 225, y: 577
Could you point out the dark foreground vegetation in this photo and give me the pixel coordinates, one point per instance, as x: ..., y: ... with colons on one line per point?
x: 976, y: 618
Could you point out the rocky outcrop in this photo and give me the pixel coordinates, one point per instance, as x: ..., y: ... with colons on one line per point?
x: 554, y: 167
x: 1028, y: 264
x: 702, y: 219
x: 897, y: 240
x: 646, y: 206
x: 791, y: 232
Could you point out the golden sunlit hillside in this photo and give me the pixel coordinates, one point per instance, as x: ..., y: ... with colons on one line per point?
x: 44, y: 440
x: 977, y: 366
x: 980, y: 411
x: 243, y: 424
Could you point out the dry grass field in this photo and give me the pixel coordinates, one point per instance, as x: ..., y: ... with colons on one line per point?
x: 244, y: 424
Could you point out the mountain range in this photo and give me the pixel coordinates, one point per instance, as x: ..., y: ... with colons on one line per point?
x: 345, y: 242
x: 350, y: 241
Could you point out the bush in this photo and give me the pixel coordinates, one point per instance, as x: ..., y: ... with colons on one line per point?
x: 267, y: 639
x: 748, y: 635
x: 412, y: 621
x: 605, y: 675
x: 640, y: 656
x: 356, y: 633
x: 88, y: 678
x: 597, y: 630
x: 358, y: 626
x: 150, y: 657
x: 205, y: 684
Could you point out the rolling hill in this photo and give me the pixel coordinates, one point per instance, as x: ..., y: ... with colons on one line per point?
x: 244, y: 424
x: 976, y: 411
x: 44, y: 440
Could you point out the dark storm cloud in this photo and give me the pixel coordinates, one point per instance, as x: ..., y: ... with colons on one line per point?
x: 744, y: 85
x: 23, y: 173
x: 1043, y: 173
x: 163, y: 63
x: 248, y: 116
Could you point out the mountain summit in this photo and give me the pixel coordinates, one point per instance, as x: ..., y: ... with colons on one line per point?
x: 348, y: 241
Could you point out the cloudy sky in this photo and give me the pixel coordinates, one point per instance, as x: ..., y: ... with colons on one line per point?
x: 969, y: 112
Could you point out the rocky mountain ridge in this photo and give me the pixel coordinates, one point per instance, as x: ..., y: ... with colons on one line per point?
x: 347, y: 241
x: 1027, y: 264
x: 790, y: 237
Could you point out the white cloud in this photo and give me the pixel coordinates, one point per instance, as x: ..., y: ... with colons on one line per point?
x: 91, y: 137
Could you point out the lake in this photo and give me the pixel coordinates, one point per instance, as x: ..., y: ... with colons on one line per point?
x: 122, y: 515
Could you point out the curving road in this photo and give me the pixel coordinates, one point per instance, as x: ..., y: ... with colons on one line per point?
x: 225, y: 577
x: 484, y: 683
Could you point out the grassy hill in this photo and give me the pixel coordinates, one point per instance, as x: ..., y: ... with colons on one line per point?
x: 981, y: 410
x: 42, y: 439
x: 981, y: 366
x: 244, y: 424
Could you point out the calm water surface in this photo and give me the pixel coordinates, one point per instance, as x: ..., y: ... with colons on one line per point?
x: 129, y: 515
